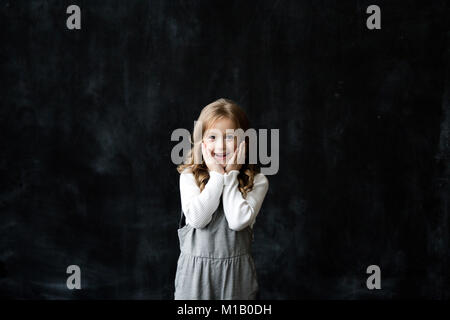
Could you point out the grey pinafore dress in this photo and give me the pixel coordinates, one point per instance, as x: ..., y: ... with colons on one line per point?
x: 215, y: 262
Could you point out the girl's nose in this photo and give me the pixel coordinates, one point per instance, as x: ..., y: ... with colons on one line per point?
x: 219, y: 143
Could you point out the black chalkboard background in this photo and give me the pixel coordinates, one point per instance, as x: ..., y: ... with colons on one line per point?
x: 86, y: 119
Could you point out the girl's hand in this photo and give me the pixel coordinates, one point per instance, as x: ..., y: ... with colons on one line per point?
x: 210, y: 162
x: 238, y: 155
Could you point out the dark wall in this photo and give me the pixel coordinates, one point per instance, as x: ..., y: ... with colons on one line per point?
x: 86, y: 118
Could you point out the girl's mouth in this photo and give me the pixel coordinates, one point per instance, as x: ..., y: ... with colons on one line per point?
x: 220, y: 156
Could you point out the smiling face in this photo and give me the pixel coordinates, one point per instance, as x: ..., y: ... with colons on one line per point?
x: 220, y: 143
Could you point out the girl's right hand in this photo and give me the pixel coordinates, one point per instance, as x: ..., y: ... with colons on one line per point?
x: 210, y: 162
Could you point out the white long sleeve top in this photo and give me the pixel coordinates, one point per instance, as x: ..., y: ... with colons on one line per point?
x: 198, y: 207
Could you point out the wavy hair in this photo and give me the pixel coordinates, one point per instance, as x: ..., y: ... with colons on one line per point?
x: 219, y: 109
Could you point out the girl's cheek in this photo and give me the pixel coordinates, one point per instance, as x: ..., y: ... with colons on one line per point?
x: 231, y: 147
x: 209, y: 145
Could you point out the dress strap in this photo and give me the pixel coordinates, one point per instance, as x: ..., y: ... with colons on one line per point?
x: 182, y: 221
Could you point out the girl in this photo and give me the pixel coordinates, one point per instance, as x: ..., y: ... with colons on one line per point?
x: 221, y: 196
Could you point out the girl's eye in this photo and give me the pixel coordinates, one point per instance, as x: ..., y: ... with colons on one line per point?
x: 228, y: 137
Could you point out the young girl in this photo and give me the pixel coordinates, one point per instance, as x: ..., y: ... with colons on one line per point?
x: 221, y: 196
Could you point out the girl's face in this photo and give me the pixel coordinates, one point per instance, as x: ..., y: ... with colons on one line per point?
x: 219, y: 143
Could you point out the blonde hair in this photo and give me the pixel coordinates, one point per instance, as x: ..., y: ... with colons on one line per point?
x: 219, y: 109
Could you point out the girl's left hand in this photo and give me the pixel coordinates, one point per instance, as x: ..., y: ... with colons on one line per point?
x: 238, y: 155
